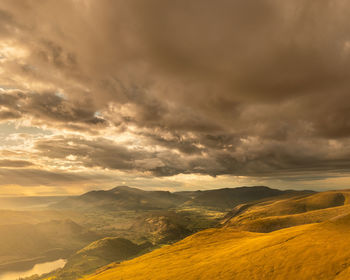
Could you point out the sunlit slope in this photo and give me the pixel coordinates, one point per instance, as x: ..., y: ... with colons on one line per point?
x: 277, y: 214
x: 314, y: 251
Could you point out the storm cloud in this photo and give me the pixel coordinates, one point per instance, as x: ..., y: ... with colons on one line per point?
x: 245, y: 88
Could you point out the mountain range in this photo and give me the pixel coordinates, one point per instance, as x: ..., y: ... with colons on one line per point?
x: 126, y: 198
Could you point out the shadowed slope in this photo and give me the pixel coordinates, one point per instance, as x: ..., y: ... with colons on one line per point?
x: 314, y: 251
x: 162, y: 228
x: 98, y: 254
x: 276, y: 214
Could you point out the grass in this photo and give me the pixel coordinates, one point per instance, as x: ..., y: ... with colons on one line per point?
x: 311, y: 245
x: 277, y: 214
x: 313, y: 251
x: 290, y: 237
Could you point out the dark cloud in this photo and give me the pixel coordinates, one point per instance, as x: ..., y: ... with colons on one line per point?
x: 9, y: 115
x: 50, y: 107
x: 254, y: 88
x: 102, y: 153
x: 56, y: 108
x: 14, y: 163
x: 6, y: 22
x: 253, y: 158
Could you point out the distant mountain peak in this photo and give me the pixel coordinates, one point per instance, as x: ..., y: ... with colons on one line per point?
x: 124, y: 188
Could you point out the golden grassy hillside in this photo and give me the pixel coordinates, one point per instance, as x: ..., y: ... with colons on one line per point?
x: 277, y: 214
x: 313, y: 251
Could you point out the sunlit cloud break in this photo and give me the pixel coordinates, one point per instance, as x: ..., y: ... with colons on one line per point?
x: 173, y: 94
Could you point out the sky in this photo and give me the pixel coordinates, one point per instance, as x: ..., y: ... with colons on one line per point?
x: 173, y: 95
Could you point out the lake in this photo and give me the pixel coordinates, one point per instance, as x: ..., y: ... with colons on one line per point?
x: 39, y: 269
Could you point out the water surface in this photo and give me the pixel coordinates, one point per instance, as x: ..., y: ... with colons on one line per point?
x: 39, y: 269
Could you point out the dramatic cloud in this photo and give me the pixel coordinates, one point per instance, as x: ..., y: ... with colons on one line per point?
x: 14, y: 163
x: 158, y: 88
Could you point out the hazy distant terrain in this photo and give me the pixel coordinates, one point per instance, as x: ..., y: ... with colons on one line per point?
x: 126, y: 198
x: 239, y: 233
x: 24, y: 244
x: 48, y: 227
x: 29, y: 202
x: 159, y: 216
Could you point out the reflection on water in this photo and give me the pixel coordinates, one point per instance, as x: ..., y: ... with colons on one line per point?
x: 39, y: 269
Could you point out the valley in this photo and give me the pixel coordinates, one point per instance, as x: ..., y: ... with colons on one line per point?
x: 174, y: 140
x: 49, y: 228
x: 115, y: 233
